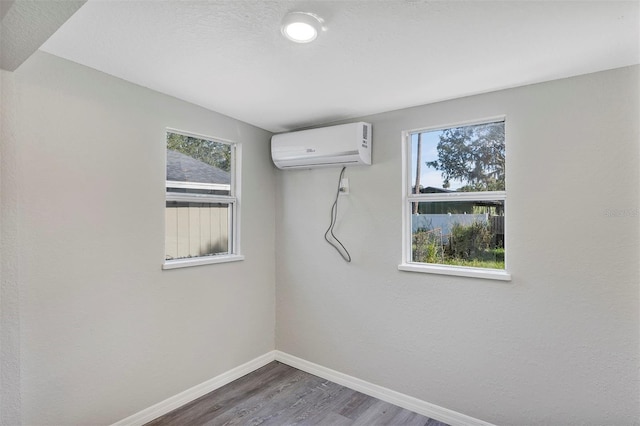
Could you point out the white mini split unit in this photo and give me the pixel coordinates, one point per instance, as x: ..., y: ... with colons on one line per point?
x: 343, y: 145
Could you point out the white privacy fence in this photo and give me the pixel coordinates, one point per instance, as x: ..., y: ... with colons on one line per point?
x: 196, y: 231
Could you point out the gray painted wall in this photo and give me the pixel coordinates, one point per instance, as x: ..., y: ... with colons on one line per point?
x: 93, y: 330
x: 557, y: 345
x: 9, y: 293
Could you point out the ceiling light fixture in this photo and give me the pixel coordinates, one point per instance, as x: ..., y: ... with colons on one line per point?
x: 301, y: 27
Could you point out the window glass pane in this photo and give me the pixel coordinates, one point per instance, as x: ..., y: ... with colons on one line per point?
x: 196, y: 229
x: 193, y: 161
x: 467, y: 158
x: 461, y: 233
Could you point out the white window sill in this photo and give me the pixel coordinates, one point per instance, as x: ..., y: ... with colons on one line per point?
x: 197, y: 261
x: 460, y: 271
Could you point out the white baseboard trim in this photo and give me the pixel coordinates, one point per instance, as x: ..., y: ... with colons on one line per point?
x: 171, y: 403
x: 433, y: 411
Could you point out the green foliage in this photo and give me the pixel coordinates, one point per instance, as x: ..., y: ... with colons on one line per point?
x: 469, y: 241
x: 468, y: 245
x: 427, y: 247
x: 472, y: 154
x: 214, y: 153
x: 475, y: 263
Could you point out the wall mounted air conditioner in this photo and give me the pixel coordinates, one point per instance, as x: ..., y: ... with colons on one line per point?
x: 343, y: 145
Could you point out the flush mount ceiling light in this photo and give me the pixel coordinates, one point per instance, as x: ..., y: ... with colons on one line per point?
x: 301, y: 27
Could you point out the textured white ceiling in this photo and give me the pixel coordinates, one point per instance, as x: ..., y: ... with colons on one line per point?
x: 375, y: 56
x: 25, y: 25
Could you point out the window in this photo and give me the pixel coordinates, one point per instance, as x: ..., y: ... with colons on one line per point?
x: 454, y: 203
x: 202, y: 201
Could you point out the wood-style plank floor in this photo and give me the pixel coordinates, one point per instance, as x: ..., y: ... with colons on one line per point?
x: 277, y: 394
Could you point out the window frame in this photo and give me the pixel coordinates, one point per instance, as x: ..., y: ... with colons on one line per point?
x: 232, y: 200
x: 408, y: 198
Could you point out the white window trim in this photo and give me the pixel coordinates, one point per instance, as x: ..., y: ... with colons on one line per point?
x: 200, y: 198
x: 197, y: 185
x: 204, y: 260
x: 460, y: 271
x: 408, y: 198
x: 235, y: 252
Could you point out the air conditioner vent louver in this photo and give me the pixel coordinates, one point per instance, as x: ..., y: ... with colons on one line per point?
x: 323, y: 147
